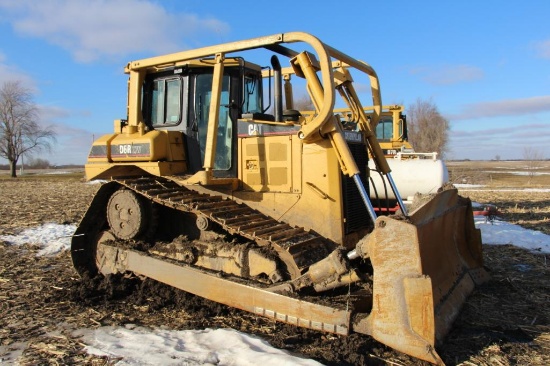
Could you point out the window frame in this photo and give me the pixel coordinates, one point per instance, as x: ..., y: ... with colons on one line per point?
x: 180, y: 107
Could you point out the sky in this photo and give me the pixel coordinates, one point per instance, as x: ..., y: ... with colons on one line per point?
x: 165, y: 346
x: 484, y: 64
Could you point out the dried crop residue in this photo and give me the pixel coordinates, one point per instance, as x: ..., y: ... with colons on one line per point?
x: 529, y: 209
x: 43, y: 301
x: 33, y: 202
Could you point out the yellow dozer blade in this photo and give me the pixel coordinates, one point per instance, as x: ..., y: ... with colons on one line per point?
x: 424, y: 268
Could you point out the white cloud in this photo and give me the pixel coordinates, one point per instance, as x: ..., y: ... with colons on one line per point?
x: 543, y: 49
x: 507, y: 107
x: 52, y: 113
x: 72, y: 143
x: 507, y: 142
x: 94, y: 29
x: 12, y: 73
x: 448, y: 74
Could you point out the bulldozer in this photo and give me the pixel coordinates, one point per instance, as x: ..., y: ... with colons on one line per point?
x: 214, y: 188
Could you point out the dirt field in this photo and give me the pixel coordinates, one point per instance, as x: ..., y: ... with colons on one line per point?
x: 43, y: 301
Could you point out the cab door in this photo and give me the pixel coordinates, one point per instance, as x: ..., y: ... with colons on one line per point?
x: 200, y: 98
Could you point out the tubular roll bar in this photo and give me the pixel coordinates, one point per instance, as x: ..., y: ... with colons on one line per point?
x: 309, y: 131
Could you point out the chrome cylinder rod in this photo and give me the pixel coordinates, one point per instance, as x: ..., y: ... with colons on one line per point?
x: 365, y: 197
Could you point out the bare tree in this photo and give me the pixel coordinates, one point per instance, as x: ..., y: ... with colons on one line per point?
x: 533, y: 158
x: 19, y: 130
x: 304, y: 103
x: 428, y: 129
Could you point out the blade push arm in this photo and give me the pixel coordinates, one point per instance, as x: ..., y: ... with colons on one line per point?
x: 330, y: 127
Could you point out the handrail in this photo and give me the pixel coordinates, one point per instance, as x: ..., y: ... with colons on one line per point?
x: 271, y: 42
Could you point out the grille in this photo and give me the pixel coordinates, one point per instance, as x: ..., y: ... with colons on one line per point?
x: 355, y: 212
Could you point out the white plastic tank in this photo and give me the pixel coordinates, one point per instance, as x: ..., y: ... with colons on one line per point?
x: 410, y: 176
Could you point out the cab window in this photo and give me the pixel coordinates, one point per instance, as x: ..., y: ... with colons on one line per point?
x: 166, y: 102
x: 384, y: 129
x: 252, y: 96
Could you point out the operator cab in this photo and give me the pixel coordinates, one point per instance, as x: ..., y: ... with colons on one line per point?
x: 178, y: 99
x: 386, y: 130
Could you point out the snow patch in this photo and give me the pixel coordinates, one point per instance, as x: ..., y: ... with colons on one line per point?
x: 96, y: 181
x: 52, y: 238
x: 142, y: 346
x: 502, y: 232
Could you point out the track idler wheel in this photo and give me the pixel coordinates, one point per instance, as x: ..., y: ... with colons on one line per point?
x: 129, y: 215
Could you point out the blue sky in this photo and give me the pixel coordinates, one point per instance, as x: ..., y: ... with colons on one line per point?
x: 485, y: 64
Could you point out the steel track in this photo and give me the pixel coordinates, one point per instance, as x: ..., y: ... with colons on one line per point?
x: 304, y: 247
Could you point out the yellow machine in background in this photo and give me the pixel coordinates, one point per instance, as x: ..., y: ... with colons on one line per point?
x: 279, y: 203
x: 413, y: 171
x: 391, y: 131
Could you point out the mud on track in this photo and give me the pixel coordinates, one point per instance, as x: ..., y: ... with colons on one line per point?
x: 43, y: 301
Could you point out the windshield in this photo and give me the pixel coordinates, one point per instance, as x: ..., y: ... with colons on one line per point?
x: 384, y: 129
